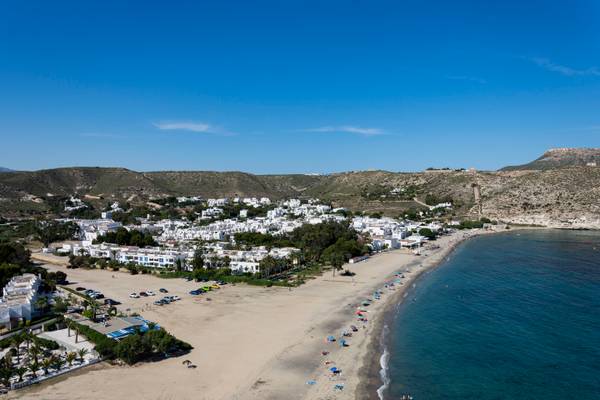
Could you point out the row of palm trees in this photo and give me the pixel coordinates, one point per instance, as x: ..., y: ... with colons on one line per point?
x: 33, y: 358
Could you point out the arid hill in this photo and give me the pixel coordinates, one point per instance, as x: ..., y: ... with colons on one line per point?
x: 561, y: 158
x: 565, y: 196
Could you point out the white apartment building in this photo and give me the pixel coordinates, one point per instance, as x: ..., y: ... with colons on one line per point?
x: 18, y: 300
x: 152, y: 257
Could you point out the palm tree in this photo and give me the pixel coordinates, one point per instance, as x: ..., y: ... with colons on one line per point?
x: 16, y: 341
x: 70, y: 357
x: 20, y: 371
x: 41, y: 303
x: 34, y: 353
x: 69, y: 323
x: 5, y: 375
x: 81, y: 353
x: 33, y: 367
x: 94, y: 306
x: 47, y: 364
x: 57, y: 363
x: 27, y: 338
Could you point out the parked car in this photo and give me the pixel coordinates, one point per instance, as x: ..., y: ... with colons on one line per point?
x: 143, y: 294
x: 80, y: 289
x: 195, y: 292
x: 134, y: 296
x: 111, y: 302
x: 150, y: 293
x: 158, y: 303
x: 175, y: 298
x: 163, y: 290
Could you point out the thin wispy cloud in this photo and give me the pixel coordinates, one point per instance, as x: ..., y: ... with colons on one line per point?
x: 102, y: 135
x: 563, y: 69
x: 189, y: 126
x: 348, y: 129
x: 467, y: 78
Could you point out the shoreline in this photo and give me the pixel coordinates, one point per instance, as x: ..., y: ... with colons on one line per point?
x: 370, y: 373
x: 279, y: 333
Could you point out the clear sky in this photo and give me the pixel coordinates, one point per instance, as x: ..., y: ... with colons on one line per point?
x: 296, y: 86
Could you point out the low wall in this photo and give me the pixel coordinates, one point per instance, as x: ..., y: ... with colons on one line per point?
x: 20, y: 385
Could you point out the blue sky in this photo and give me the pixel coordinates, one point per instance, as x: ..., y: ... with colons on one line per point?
x: 296, y: 86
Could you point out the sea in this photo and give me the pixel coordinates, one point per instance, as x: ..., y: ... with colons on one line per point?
x: 514, y: 315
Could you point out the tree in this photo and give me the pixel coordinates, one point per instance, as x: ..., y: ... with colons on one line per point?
x: 16, y: 342
x: 70, y: 357
x: 33, y: 367
x: 41, y: 303
x: 52, y: 231
x: 82, y: 353
x: 337, y: 260
x: 178, y: 264
x: 34, y: 353
x: 198, y: 260
x: 60, y: 305
x: 94, y: 307
x: 14, y: 253
x: 27, y: 338
x: 47, y: 364
x: 266, y: 266
x: 5, y: 375
x: 428, y: 233
x: 20, y: 371
x: 57, y: 363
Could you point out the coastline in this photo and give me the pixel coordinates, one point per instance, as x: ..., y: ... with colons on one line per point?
x: 278, y: 333
x: 370, y: 373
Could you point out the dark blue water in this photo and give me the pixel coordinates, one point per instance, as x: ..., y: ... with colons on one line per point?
x: 509, y: 316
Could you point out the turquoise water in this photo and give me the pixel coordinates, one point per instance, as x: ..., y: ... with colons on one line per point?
x: 509, y: 316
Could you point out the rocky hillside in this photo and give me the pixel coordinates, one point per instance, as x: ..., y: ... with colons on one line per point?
x: 561, y: 158
x: 567, y: 196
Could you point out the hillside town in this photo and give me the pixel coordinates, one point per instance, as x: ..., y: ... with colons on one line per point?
x: 179, y: 239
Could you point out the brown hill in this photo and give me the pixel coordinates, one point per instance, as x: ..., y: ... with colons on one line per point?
x: 561, y: 158
x: 566, y: 196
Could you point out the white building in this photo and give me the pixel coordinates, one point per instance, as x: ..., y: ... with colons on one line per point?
x: 152, y: 257
x: 75, y: 204
x: 212, y: 212
x: 217, y: 202
x: 18, y: 300
x: 90, y: 229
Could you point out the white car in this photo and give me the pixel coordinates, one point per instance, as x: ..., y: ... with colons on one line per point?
x: 134, y: 296
x: 175, y: 298
x: 150, y: 293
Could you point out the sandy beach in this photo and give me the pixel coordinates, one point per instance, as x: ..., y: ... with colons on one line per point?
x: 251, y: 342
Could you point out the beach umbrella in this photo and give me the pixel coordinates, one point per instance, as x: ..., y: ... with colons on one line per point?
x: 187, y: 362
x: 330, y: 338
